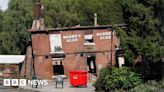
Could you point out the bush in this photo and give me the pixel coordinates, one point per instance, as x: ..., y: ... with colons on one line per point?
x: 150, y: 86
x: 121, y: 79
x: 99, y: 84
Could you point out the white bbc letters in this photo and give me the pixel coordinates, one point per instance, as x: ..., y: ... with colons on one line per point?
x: 6, y: 82
x: 22, y: 82
x: 14, y: 82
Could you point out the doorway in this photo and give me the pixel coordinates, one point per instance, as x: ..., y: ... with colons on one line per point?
x: 58, y: 68
x: 91, y: 64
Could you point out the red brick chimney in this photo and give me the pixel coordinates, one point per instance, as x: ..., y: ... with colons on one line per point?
x: 37, y: 9
x: 38, y: 23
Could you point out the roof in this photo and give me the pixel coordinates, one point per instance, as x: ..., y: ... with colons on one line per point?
x: 11, y: 59
x: 110, y: 27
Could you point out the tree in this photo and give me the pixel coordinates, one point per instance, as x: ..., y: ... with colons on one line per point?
x: 72, y: 12
x: 17, y: 21
x: 160, y: 12
x: 143, y: 36
x: 1, y: 19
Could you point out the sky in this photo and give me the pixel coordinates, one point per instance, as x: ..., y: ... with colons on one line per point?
x: 3, y: 4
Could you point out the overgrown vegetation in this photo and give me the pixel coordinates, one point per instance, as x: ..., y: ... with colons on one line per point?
x: 150, y: 86
x: 142, y: 40
x: 125, y: 80
x: 120, y: 79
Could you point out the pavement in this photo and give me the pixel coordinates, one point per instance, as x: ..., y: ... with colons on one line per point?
x: 67, y: 88
x: 16, y: 90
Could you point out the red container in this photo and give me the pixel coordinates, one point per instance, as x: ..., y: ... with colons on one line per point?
x: 78, y: 78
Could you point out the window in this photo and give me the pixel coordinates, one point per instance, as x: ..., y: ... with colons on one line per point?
x: 55, y: 42
x: 89, y: 39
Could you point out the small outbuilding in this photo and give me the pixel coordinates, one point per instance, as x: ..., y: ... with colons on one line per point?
x: 10, y: 65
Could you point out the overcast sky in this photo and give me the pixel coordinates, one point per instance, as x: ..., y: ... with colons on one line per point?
x: 3, y: 4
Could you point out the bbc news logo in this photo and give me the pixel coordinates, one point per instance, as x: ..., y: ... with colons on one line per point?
x: 23, y: 82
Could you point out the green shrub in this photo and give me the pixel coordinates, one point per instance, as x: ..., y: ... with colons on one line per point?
x: 99, y: 84
x: 150, y: 86
x: 121, y: 79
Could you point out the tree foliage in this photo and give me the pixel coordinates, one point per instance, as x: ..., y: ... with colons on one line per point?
x: 143, y: 40
x: 160, y: 12
x: 17, y: 20
x: 1, y: 19
x: 143, y: 36
x: 73, y: 12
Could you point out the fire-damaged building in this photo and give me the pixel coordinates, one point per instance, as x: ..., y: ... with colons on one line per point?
x: 56, y: 51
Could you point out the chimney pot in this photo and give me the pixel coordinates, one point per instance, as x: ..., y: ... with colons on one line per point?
x: 95, y: 19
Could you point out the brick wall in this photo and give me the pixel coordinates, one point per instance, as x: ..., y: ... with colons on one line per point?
x: 75, y: 52
x: 26, y: 67
x: 42, y: 60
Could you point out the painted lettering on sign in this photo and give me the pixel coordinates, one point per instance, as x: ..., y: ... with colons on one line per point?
x: 104, y: 35
x: 72, y: 38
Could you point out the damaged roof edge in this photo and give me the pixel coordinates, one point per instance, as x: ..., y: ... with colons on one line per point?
x: 111, y: 27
